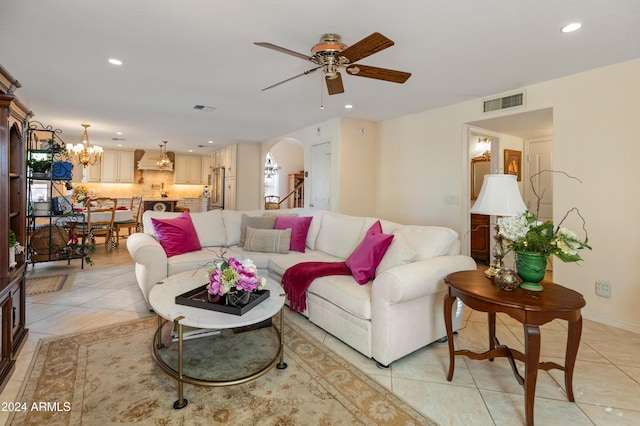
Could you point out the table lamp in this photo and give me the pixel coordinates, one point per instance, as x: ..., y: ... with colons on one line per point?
x: 499, y: 196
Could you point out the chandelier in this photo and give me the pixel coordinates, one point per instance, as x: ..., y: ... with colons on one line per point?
x: 270, y: 168
x: 164, y: 162
x: 83, y: 153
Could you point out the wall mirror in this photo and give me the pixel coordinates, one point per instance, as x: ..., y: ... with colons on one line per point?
x: 480, y: 166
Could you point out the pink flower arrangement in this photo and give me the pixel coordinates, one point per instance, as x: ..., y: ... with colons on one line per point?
x: 233, y: 276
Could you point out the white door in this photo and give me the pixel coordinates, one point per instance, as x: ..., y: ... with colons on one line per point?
x: 320, y: 176
x: 539, y: 158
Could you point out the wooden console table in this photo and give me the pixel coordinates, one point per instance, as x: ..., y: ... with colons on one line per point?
x: 532, y: 309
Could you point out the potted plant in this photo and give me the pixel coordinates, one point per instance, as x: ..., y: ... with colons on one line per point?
x: 40, y: 168
x: 14, y: 248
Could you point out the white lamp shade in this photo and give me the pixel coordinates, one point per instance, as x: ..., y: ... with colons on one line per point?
x: 499, y: 196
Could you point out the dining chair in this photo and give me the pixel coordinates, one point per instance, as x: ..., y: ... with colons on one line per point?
x: 134, y: 222
x: 101, y: 213
x: 271, y: 202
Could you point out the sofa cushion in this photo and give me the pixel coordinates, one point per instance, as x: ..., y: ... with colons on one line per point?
x: 299, y: 229
x: 256, y: 222
x: 399, y: 253
x: 430, y: 241
x: 339, y: 234
x: 278, y: 264
x: 177, y: 235
x: 364, y: 260
x: 344, y: 293
x: 268, y: 240
x: 232, y: 220
x: 210, y: 228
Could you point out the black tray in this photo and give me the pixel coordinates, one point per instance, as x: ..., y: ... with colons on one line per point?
x: 197, y: 298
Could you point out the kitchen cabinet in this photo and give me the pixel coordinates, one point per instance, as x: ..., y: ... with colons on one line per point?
x: 193, y: 204
x: 188, y: 170
x: 230, y: 193
x: 207, y: 168
x: 117, y: 167
x: 93, y: 173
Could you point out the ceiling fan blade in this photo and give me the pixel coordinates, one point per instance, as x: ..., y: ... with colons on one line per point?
x: 366, y: 47
x: 334, y: 85
x: 378, y: 73
x: 283, y: 50
x: 291, y: 78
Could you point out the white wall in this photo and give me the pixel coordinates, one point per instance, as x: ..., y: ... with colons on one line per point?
x: 595, y: 139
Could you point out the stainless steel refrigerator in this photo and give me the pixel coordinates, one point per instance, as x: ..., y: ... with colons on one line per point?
x: 216, y: 201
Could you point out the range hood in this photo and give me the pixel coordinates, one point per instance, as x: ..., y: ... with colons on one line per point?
x: 149, y: 161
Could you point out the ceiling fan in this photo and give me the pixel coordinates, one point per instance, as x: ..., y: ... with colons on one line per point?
x: 330, y: 55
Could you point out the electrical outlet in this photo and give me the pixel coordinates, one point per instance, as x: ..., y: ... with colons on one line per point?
x: 603, y: 288
x: 451, y: 200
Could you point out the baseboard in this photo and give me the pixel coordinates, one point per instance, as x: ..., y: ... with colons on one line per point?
x: 610, y: 321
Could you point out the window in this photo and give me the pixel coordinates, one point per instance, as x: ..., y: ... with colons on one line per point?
x: 271, y: 181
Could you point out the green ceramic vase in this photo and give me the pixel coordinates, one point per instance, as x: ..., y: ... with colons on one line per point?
x: 531, y: 268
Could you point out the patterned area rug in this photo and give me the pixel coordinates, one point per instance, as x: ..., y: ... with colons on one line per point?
x: 107, y: 375
x: 39, y: 285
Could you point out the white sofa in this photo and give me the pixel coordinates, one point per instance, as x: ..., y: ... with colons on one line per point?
x: 398, y: 312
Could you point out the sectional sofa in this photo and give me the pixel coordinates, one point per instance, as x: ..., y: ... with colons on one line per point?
x: 388, y: 317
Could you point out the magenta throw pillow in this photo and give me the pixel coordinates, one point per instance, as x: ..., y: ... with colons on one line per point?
x: 177, y: 235
x: 299, y: 230
x: 365, y: 258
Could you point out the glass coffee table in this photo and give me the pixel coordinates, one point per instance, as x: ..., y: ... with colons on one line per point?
x: 210, y: 348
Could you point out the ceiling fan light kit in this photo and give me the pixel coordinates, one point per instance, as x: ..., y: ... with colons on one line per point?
x: 331, y: 55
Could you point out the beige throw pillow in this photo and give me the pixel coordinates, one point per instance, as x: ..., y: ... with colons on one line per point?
x: 267, y: 240
x: 256, y: 222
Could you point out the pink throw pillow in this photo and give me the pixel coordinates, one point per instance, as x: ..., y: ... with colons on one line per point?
x: 299, y: 230
x: 177, y: 235
x: 365, y: 258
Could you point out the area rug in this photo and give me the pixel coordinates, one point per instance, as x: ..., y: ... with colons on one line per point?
x: 107, y: 375
x: 39, y: 285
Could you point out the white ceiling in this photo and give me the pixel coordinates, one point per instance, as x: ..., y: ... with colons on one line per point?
x: 179, y: 54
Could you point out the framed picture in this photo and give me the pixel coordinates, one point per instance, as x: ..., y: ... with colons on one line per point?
x: 513, y: 163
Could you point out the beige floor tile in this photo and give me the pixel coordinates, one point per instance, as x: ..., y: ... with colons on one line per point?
x: 508, y: 409
x: 446, y: 404
x: 603, y: 415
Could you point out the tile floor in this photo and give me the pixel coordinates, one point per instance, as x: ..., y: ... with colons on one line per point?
x: 606, y: 380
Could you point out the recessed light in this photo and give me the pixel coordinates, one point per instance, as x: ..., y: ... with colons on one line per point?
x: 190, y: 150
x: 571, y: 27
x: 348, y: 106
x: 118, y: 133
x: 210, y: 141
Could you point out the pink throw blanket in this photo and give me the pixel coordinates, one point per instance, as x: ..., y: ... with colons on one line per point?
x: 297, y: 279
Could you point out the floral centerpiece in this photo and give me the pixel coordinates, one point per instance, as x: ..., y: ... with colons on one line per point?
x: 81, y: 194
x: 234, y: 279
x: 534, y: 241
x: 525, y: 233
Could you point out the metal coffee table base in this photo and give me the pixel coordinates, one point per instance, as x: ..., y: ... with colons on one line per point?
x: 179, y: 374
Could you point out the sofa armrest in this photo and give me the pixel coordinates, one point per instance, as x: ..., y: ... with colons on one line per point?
x: 146, y: 250
x: 151, y: 261
x: 417, y: 279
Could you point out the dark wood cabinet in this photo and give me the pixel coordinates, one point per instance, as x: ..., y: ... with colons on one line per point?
x: 296, y: 189
x: 480, y: 243
x: 13, y: 118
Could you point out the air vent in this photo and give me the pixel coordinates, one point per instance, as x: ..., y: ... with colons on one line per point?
x: 510, y: 101
x: 204, y: 108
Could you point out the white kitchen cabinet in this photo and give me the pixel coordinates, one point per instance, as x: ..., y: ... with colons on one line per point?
x: 193, y: 204
x: 117, y: 166
x: 207, y: 168
x: 188, y: 170
x: 93, y: 173
x: 230, y: 193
